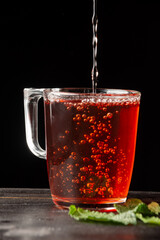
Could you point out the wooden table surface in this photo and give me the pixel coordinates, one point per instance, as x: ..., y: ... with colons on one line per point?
x: 30, y: 214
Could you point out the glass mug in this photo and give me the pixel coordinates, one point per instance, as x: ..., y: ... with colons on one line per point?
x: 90, y: 142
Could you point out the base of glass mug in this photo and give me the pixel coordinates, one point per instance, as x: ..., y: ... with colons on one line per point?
x: 106, y: 204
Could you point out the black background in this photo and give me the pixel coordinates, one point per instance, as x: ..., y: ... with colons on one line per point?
x: 51, y: 46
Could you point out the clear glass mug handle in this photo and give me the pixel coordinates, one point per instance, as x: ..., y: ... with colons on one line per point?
x: 31, y: 98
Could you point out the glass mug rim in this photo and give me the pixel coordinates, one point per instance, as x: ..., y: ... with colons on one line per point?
x: 87, y: 92
x: 86, y: 95
x: 105, y: 92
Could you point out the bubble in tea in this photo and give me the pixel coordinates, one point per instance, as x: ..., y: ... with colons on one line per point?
x: 93, y: 162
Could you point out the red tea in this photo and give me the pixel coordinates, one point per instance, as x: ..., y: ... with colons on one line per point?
x: 90, y: 149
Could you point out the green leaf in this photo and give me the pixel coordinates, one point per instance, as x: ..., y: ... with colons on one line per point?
x: 128, y: 213
x: 72, y: 210
x: 87, y: 215
x: 130, y: 204
x: 154, y: 207
x: 137, y: 206
x: 143, y: 209
x: 147, y: 219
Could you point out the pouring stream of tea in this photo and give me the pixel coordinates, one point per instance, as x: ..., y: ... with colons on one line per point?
x: 94, y: 73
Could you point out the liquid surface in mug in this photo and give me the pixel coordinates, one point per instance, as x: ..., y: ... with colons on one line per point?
x: 90, y: 149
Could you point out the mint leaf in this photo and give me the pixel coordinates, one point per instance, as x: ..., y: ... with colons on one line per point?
x: 125, y: 218
x: 154, y: 207
x: 147, y: 219
x: 143, y: 209
x: 73, y: 210
x: 137, y: 206
x: 87, y: 215
x: 83, y: 214
x: 120, y: 208
x: 128, y: 213
x: 130, y: 204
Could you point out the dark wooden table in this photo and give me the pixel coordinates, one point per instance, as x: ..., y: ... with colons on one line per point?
x: 30, y: 214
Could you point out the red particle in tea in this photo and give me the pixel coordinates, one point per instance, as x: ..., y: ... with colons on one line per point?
x: 109, y: 115
x: 91, y: 120
x: 65, y: 147
x: 73, y: 153
x: 86, y: 159
x: 79, y: 108
x: 105, y: 117
x: 83, y: 178
x: 91, y: 140
x: 82, y: 142
x: 92, y: 134
x: 90, y: 185
x: 84, y: 169
x: 78, y: 118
